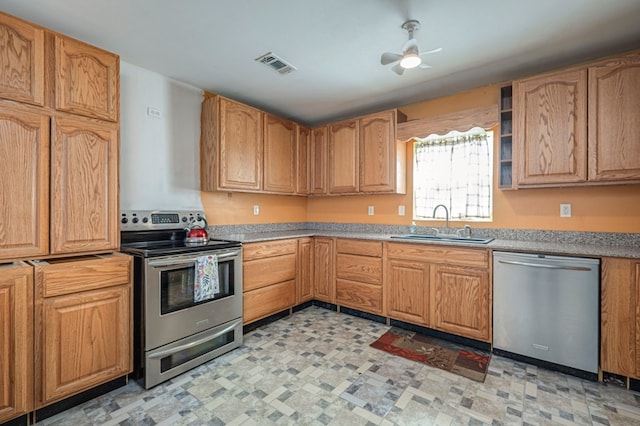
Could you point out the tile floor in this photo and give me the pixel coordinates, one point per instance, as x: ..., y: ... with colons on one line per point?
x: 316, y: 368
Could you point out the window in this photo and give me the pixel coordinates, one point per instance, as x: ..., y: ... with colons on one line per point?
x: 455, y: 170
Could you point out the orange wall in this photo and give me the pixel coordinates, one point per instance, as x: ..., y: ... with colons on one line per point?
x: 598, y: 209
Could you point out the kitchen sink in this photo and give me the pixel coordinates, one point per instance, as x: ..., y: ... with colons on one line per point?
x: 444, y: 238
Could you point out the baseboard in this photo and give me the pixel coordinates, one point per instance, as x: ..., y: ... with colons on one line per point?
x: 72, y: 401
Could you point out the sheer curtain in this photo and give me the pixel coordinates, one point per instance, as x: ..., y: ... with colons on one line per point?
x: 454, y: 170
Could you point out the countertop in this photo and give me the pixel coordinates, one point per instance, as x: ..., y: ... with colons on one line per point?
x: 562, y: 248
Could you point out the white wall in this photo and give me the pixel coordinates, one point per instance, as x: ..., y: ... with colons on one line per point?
x: 159, y: 157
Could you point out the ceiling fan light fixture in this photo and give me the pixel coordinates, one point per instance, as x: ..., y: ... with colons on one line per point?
x: 410, y: 60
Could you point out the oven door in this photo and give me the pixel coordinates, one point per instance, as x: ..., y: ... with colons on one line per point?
x: 171, y: 311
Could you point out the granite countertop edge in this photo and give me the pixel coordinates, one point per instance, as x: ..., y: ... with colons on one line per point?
x: 590, y: 250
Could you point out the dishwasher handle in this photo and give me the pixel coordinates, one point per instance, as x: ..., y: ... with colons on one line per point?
x: 546, y: 266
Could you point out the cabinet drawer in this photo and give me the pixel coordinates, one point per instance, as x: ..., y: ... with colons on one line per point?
x: 359, y: 268
x: 267, y: 300
x: 439, y: 254
x: 268, y: 249
x: 56, y: 277
x: 263, y: 272
x: 360, y: 296
x: 363, y: 248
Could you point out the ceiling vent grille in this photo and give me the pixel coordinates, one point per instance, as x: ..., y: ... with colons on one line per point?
x: 276, y: 63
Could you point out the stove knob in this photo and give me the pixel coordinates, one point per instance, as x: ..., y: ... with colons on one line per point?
x: 134, y: 220
x: 124, y: 220
x: 184, y: 219
x: 145, y: 219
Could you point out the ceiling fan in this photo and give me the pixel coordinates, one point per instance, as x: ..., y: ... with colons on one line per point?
x: 410, y: 56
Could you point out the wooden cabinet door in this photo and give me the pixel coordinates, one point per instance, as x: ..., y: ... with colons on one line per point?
x: 408, y: 290
x: 84, y: 341
x: 24, y: 183
x: 280, y: 137
x: 461, y: 301
x: 378, y: 152
x: 303, y: 146
x: 87, y: 79
x: 239, y: 146
x: 84, y: 186
x: 304, y: 287
x: 614, y: 126
x: 22, y: 59
x: 619, y: 316
x: 324, y: 284
x: 16, y: 340
x: 318, y: 161
x: 344, y: 157
x: 550, y: 128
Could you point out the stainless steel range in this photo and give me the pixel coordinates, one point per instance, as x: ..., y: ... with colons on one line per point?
x: 184, y: 313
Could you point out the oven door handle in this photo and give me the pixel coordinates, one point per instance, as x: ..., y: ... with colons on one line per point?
x: 189, y: 345
x: 173, y: 262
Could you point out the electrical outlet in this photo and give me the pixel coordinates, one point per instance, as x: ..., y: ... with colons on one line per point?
x: 400, y: 210
x: 370, y: 210
x: 256, y: 210
x: 565, y: 210
x: 154, y: 112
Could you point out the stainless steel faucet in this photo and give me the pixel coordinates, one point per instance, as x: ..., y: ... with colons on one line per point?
x: 446, y: 211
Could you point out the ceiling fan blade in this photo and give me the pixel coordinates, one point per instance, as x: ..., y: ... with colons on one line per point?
x: 398, y: 69
x: 389, y: 57
x: 432, y: 51
x: 425, y: 66
x: 410, y: 44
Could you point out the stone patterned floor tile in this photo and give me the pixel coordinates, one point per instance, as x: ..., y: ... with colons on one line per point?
x: 316, y: 368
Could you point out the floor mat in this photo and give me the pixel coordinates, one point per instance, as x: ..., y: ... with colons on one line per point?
x: 462, y: 360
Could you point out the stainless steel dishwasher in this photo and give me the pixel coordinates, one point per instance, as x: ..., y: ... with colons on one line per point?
x: 547, y: 308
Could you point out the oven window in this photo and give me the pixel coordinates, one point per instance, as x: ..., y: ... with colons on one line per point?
x: 176, y: 287
x: 186, y: 355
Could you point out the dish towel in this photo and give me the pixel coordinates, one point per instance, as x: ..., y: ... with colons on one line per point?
x: 207, y: 285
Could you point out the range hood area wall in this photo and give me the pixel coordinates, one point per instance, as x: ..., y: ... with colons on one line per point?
x: 159, y: 141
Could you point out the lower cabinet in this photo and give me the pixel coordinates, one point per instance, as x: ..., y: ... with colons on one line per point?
x: 83, y: 317
x: 461, y: 301
x: 408, y: 290
x: 269, y: 278
x: 324, y: 283
x: 359, y: 275
x: 16, y: 340
x: 304, y: 284
x: 445, y: 288
x: 620, y: 316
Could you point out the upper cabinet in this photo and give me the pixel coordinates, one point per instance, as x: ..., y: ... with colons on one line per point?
x: 318, y: 151
x: 280, y: 138
x: 24, y: 182
x: 343, y: 157
x: 365, y: 156
x: 303, y: 145
x: 614, y: 119
x: 22, y: 58
x: 59, y: 144
x: 231, y: 146
x: 84, y: 200
x: 382, y: 156
x: 579, y: 125
x: 550, y: 128
x: 247, y: 150
x: 87, y: 79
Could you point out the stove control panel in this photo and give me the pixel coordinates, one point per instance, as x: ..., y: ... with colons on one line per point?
x: 148, y: 220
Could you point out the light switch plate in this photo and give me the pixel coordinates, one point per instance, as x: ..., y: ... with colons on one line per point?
x: 400, y: 210
x: 370, y: 210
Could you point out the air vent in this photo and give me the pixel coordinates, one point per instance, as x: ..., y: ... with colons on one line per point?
x: 276, y: 63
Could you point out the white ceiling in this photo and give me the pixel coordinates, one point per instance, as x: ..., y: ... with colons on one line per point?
x: 336, y: 44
